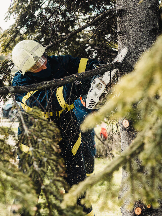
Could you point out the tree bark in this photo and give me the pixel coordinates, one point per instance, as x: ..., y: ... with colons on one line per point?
x: 137, y: 26
x: 137, y: 30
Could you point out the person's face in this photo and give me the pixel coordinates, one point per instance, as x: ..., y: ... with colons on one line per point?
x: 39, y: 65
x: 43, y: 67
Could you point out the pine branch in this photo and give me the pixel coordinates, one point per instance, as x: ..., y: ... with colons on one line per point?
x: 59, y: 82
x: 21, y: 116
x: 114, y: 165
x: 110, y: 12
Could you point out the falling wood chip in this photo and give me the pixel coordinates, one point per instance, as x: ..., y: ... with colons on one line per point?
x: 138, y: 211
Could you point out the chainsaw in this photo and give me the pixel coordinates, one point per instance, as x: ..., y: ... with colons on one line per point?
x: 98, y: 84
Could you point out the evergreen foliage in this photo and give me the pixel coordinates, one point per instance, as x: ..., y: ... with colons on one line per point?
x: 13, y: 182
x: 36, y: 185
x: 41, y: 161
x: 51, y: 21
x: 5, y: 72
x: 138, y: 95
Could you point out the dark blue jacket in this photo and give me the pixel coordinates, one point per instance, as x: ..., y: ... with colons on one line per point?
x: 57, y: 67
x: 55, y: 101
x: 59, y: 103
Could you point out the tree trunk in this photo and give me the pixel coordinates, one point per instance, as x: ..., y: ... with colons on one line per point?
x: 137, y: 30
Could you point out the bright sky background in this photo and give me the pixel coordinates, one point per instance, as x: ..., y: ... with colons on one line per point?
x: 3, y: 9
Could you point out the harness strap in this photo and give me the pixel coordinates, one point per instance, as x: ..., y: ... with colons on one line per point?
x: 59, y: 91
x: 60, y: 97
x: 62, y: 103
x: 76, y: 145
x: 25, y: 98
x: 89, y: 174
x: 82, y: 65
x: 27, y: 108
x: 23, y: 147
x: 91, y: 213
x: 82, y: 68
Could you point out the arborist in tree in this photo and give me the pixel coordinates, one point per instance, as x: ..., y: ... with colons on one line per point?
x: 64, y: 105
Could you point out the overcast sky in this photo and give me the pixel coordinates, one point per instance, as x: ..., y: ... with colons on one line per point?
x: 3, y: 9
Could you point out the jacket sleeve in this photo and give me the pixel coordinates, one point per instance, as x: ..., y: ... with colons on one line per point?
x: 66, y: 65
x: 82, y: 87
x: 43, y: 99
x: 53, y: 99
x: 78, y: 65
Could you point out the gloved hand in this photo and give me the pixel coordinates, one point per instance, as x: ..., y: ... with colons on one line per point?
x: 103, y: 133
